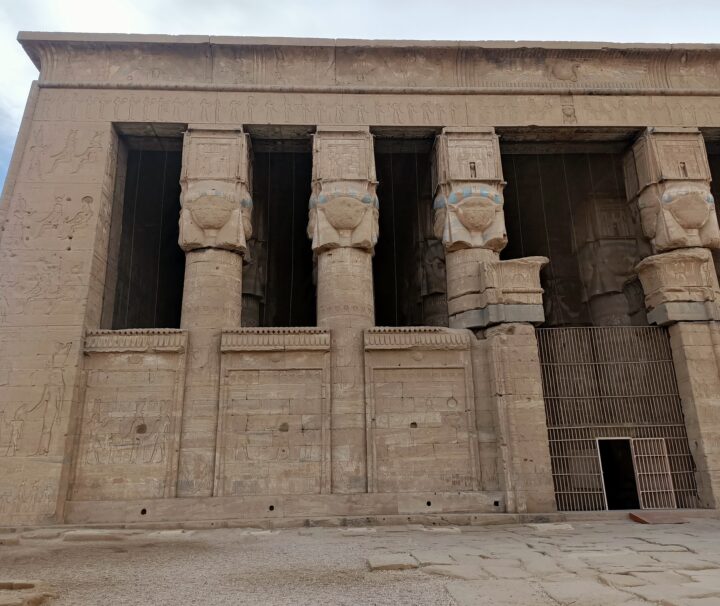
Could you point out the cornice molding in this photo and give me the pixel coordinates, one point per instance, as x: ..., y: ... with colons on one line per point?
x: 275, y: 339
x: 415, y: 338
x: 367, y: 66
x: 136, y: 340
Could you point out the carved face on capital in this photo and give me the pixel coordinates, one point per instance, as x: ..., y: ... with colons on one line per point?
x: 679, y: 215
x: 691, y: 206
x: 210, y: 212
x: 470, y: 216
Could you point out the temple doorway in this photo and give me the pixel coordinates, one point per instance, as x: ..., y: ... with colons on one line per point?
x: 618, y: 470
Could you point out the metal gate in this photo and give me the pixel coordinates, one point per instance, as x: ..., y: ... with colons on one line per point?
x: 614, y: 382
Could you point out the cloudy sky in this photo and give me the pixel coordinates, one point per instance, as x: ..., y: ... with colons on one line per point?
x: 605, y: 20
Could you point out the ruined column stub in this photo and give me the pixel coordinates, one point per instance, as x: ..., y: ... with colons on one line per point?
x: 343, y: 204
x: 216, y: 200
x: 467, y: 189
x: 667, y: 179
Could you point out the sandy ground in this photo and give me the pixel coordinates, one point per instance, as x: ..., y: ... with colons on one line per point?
x: 599, y: 563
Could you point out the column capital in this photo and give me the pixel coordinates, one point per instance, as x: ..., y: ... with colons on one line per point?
x: 344, y: 204
x: 667, y: 182
x: 467, y: 189
x: 216, y: 186
x: 680, y: 286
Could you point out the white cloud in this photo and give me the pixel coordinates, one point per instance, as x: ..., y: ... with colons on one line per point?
x: 609, y: 20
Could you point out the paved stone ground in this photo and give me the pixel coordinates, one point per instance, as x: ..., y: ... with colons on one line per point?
x: 583, y: 564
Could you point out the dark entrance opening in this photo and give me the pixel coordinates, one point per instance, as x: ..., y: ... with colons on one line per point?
x: 278, y: 287
x: 145, y: 263
x: 406, y: 247
x: 618, y: 474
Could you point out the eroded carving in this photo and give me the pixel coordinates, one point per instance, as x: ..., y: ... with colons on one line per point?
x: 42, y: 413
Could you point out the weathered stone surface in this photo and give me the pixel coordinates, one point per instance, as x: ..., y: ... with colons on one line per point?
x: 432, y: 558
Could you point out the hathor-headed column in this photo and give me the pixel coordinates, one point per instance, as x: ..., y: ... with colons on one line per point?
x: 343, y: 227
x: 215, y: 223
x: 667, y: 181
x: 499, y: 301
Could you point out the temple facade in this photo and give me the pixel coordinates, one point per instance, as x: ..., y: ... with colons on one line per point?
x: 290, y: 279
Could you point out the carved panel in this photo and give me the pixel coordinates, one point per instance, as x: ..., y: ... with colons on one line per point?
x: 421, y: 432
x: 274, y: 426
x: 132, y: 407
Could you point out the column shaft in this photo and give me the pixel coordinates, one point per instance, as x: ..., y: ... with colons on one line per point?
x: 345, y: 306
x: 212, y: 300
x: 343, y: 227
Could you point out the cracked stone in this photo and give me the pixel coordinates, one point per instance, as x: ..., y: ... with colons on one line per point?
x: 429, y: 557
x: 465, y: 572
x: 586, y: 592
x: 392, y: 561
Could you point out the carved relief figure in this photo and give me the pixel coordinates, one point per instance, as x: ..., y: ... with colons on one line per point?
x: 36, y: 153
x: 47, y: 409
